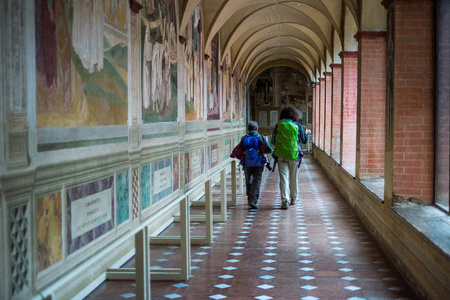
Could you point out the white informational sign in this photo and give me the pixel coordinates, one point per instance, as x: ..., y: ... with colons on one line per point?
x: 273, y: 117
x: 262, y: 118
x: 90, y: 212
x: 162, y: 179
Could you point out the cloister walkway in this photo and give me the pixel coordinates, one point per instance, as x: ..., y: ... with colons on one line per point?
x: 317, y: 249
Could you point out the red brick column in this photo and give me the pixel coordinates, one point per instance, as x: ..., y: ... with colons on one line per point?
x: 349, y: 100
x: 372, y: 51
x: 328, y: 111
x: 412, y: 68
x: 318, y: 108
x: 443, y: 104
x: 336, y: 70
x: 322, y: 113
x: 315, y: 113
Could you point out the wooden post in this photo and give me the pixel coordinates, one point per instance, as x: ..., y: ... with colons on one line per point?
x: 233, y: 183
x: 223, y: 194
x: 185, y: 244
x: 208, y: 211
x: 142, y: 245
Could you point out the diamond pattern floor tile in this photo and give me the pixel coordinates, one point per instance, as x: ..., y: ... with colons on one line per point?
x: 317, y: 249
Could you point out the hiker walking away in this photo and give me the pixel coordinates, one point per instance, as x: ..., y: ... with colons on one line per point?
x: 250, y: 151
x: 287, y: 137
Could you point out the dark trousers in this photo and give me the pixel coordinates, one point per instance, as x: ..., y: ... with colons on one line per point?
x: 253, y: 182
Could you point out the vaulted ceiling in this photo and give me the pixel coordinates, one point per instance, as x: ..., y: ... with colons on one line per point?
x: 307, y: 35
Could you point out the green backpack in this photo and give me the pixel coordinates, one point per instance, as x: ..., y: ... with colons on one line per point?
x: 286, y: 140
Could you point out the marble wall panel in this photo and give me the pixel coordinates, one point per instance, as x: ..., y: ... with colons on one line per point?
x: 145, y: 187
x: 90, y: 212
x: 123, y: 195
x: 176, y: 173
x: 49, y: 230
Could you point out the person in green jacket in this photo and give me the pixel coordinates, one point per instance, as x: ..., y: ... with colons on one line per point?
x: 287, y: 137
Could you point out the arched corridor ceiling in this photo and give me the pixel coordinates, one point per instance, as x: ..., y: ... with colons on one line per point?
x: 304, y: 34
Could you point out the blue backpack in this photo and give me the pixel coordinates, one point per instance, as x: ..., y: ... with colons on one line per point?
x: 252, y: 158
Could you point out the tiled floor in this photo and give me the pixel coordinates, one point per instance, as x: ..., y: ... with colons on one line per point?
x: 317, y: 249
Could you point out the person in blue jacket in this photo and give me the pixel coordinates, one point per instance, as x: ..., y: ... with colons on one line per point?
x: 250, y: 151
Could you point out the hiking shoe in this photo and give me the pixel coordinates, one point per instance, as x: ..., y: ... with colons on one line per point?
x: 284, y: 205
x: 293, y: 201
x: 253, y: 205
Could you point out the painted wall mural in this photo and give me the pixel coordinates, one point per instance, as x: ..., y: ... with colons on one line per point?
x: 123, y: 196
x: 159, y: 61
x: 81, y: 62
x: 90, y: 212
x: 226, y: 90
x: 194, y: 164
x: 49, y: 230
x: 213, y: 156
x: 145, y: 187
x: 212, y: 80
x: 193, y: 58
x: 162, y: 179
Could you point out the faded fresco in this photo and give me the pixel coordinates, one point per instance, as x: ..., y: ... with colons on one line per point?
x: 193, y: 58
x: 162, y: 178
x: 81, y: 63
x: 235, y: 95
x: 49, y: 230
x: 176, y: 173
x: 226, y: 90
x: 159, y: 61
x: 243, y: 100
x: 212, y: 80
x: 123, y: 196
x: 90, y: 212
x: 145, y: 187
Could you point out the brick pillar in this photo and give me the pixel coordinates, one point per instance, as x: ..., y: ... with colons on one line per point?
x: 349, y: 100
x: 328, y: 111
x: 411, y: 92
x: 372, y: 51
x: 316, y: 114
x: 322, y: 113
x: 443, y: 111
x: 336, y: 70
x: 317, y: 96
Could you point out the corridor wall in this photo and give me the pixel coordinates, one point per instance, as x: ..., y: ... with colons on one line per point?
x: 109, y: 113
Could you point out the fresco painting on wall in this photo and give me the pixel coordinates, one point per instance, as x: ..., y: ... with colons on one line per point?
x: 159, y: 61
x: 90, y: 212
x: 123, y: 195
x: 194, y: 68
x: 299, y: 102
x: 212, y: 82
x: 235, y: 93
x: 226, y: 90
x: 81, y: 62
x: 162, y: 179
x: 145, y: 187
x: 49, y: 230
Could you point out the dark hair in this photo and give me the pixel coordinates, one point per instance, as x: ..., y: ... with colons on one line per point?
x: 289, y: 113
x: 252, y: 125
